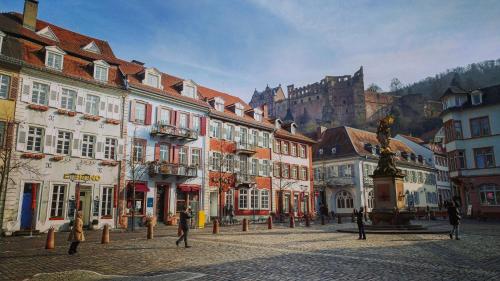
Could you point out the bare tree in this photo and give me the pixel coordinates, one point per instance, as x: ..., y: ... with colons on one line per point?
x: 282, y: 184
x: 222, y: 164
x: 396, y: 85
x: 374, y: 88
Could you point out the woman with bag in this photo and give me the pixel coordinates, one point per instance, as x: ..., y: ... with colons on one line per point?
x: 76, y: 235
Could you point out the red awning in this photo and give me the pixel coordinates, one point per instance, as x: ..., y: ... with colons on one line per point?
x: 139, y: 187
x: 189, y: 187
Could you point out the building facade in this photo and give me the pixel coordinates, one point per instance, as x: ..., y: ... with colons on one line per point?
x: 268, y: 97
x: 68, y: 111
x: 472, y: 139
x: 344, y: 159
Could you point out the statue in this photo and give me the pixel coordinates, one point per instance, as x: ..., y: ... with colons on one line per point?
x: 386, y: 165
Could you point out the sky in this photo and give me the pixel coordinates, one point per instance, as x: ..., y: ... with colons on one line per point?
x: 238, y: 46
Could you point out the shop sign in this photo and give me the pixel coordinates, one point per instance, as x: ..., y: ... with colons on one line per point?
x: 82, y: 177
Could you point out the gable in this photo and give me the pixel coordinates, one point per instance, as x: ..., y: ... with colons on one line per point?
x: 92, y: 47
x: 48, y: 33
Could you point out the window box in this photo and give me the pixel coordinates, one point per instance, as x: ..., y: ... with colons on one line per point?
x: 109, y: 163
x: 108, y: 217
x: 66, y: 112
x: 57, y: 158
x: 33, y: 155
x: 91, y: 117
x: 38, y: 107
x: 56, y: 219
x: 112, y: 121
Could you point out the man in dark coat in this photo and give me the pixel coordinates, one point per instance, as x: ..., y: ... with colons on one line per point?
x: 454, y: 216
x: 361, y: 224
x: 184, y: 224
x: 323, y: 210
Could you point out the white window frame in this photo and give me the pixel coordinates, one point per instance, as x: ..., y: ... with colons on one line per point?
x: 183, y: 120
x: 254, y: 196
x: 140, y: 116
x: 164, y: 152
x: 254, y: 168
x: 57, y: 200
x: 152, y: 72
x: 243, y: 199
x: 4, y: 86
x: 183, y: 155
x: 68, y: 99
x: 265, y: 139
x: 219, y: 104
x: 476, y: 94
x: 229, y: 163
x: 215, y: 129
x: 40, y: 93
x: 195, y: 156
x: 103, y: 73
x: 107, y: 201
x: 189, y: 89
x: 92, y: 103
x: 264, y: 194
x: 54, y: 51
x: 196, y: 123
x: 229, y: 132
x: 88, y: 145
x: 35, y: 137
x: 64, y: 140
x: 110, y: 145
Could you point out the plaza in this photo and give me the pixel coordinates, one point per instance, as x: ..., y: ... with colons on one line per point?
x: 282, y: 253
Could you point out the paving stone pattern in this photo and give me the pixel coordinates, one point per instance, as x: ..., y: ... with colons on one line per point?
x: 315, y: 253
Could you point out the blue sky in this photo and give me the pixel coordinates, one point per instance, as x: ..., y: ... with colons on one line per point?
x: 236, y: 46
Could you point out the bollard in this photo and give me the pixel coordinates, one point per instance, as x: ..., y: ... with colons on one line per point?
x: 150, y: 231
x: 339, y: 219
x: 245, y: 224
x: 308, y: 221
x: 292, y: 221
x: 269, y: 222
x: 49, y: 245
x: 215, y: 229
x: 322, y: 220
x: 105, y: 234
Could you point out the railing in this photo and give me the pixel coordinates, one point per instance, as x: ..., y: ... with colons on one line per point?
x: 346, y: 180
x: 367, y: 180
x: 244, y: 179
x: 244, y: 147
x: 171, y: 169
x: 167, y: 130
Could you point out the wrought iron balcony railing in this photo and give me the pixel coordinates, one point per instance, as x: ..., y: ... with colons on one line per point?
x: 245, y: 179
x: 169, y: 131
x: 173, y: 169
x: 245, y: 148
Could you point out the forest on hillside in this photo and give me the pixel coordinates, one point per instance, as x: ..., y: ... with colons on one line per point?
x: 470, y: 77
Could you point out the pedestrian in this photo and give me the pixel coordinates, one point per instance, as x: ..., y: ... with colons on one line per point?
x: 428, y: 212
x: 454, y: 216
x: 361, y: 224
x: 76, y: 234
x: 231, y: 214
x: 184, y: 225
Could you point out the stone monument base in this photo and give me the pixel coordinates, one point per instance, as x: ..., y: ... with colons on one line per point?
x: 391, y: 217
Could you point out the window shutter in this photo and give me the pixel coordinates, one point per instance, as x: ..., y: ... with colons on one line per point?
x: 22, y: 131
x: 158, y: 111
x: 149, y: 113
x: 176, y: 118
x: 26, y: 92
x: 75, y: 149
x: 48, y: 146
x: 120, y: 153
x: 102, y: 107
x: 99, y: 153
x: 54, y: 95
x: 131, y: 113
x: 190, y: 119
x: 110, y: 107
x: 203, y: 126
x: 14, y: 87
x: 172, y: 117
x: 80, y: 101
x: 157, y: 151
x: 237, y: 134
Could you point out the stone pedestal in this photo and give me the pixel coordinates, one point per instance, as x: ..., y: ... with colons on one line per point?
x: 389, y: 202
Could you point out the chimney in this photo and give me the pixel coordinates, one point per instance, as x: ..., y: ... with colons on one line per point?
x: 319, y: 132
x: 30, y: 13
x: 265, y: 112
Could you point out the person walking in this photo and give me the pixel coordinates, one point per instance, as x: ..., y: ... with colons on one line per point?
x: 231, y: 214
x: 323, y: 210
x: 184, y: 225
x: 361, y: 224
x: 76, y: 234
x: 454, y: 216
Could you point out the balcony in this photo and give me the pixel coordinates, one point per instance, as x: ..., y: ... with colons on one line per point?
x: 336, y: 181
x: 245, y: 148
x: 244, y: 179
x: 171, y: 169
x: 367, y: 180
x: 169, y: 131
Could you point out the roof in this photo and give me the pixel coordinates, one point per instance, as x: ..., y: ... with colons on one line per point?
x: 491, y: 96
x: 413, y: 139
x: 359, y: 138
x: 282, y: 133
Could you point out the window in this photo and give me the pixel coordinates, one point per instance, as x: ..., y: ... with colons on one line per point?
x: 489, y: 194
x: 196, y: 124
x: 238, y: 111
x: 229, y: 132
x: 88, y: 143
x: 480, y: 126
x: 285, y: 170
x: 476, y: 98
x: 92, y: 105
x: 244, y: 164
x: 277, y: 146
x: 344, y: 200
x: 255, y: 137
x: 164, y: 117
x: 302, y: 152
x: 284, y: 148
x: 229, y: 163
x: 484, y: 157
x: 101, y: 73
x: 215, y: 129
x: 258, y: 117
x: 4, y: 86
x: 243, y: 199
x: 219, y: 105
x: 183, y: 120
x: 277, y: 170
x: 63, y: 142
x: 255, y: 167
x: 106, y: 201
x: 265, y: 168
x: 457, y: 125
x: 303, y: 173
x: 294, y: 172
x: 195, y: 157
x: 140, y: 113
x: 264, y: 199
x: 68, y: 99
x: 243, y: 135
x: 188, y: 91
x: 164, y: 153
x: 3, y: 129
x: 57, y: 203
x: 183, y: 155
x: 110, y: 148
x: 254, y: 199
x: 139, y: 150
x: 153, y: 80
x: 216, y: 161
x: 293, y: 149
x: 420, y: 177
x: 39, y: 94
x: 35, y: 136
x: 265, y: 140
x: 54, y: 60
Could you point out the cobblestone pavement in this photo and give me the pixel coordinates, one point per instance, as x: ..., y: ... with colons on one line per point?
x: 315, y: 253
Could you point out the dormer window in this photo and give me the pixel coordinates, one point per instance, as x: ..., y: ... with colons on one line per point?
x: 257, y: 114
x: 54, y: 57
x: 2, y: 35
x: 278, y: 123
x: 238, y: 109
x: 152, y: 78
x: 293, y: 128
x: 476, y: 97
x: 219, y: 104
x: 101, y: 70
x: 48, y: 33
x: 189, y: 89
x: 92, y: 47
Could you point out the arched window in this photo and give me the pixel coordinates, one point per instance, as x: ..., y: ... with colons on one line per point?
x: 344, y: 200
x: 489, y: 194
x: 371, y: 199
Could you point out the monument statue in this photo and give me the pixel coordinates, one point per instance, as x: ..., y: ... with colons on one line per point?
x: 386, y: 165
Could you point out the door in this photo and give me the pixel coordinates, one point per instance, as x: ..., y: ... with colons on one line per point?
x: 85, y: 206
x: 160, y: 204
x: 28, y: 205
x: 295, y: 204
x: 213, y: 204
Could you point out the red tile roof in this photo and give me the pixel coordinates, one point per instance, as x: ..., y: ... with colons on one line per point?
x: 360, y: 137
x: 282, y: 133
x: 413, y: 139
